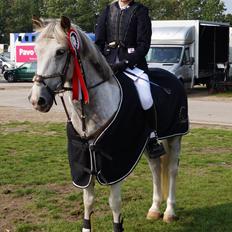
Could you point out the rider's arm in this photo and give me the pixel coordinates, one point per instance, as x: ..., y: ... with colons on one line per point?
x: 100, y: 30
x: 143, y: 37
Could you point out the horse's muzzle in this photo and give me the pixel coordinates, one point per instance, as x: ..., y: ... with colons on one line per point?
x: 40, y: 104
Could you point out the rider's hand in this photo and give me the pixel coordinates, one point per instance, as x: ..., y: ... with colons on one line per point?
x: 120, y: 66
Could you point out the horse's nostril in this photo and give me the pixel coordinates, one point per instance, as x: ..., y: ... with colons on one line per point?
x: 41, y: 101
x: 33, y: 103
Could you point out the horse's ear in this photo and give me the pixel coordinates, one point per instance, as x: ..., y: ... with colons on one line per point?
x: 37, y: 22
x: 65, y: 23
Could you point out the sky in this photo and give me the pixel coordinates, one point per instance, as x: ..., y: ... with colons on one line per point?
x: 228, y: 4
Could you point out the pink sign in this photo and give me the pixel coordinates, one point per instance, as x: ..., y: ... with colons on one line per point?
x: 25, y: 54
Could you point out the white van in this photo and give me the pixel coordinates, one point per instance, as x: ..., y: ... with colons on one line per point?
x: 195, y: 51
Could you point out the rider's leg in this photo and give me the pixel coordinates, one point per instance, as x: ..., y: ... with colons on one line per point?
x: 154, y: 148
x: 143, y: 87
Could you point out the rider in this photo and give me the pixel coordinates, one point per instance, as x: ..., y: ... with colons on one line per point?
x: 123, y: 35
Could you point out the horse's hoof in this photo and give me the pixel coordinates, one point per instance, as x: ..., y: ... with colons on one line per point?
x: 86, y: 230
x: 152, y: 215
x: 170, y: 219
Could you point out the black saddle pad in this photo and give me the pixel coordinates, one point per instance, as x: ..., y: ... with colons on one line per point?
x: 125, y: 139
x: 171, y: 104
x: 116, y: 151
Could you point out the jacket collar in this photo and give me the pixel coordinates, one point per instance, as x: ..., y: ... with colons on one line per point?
x: 130, y: 4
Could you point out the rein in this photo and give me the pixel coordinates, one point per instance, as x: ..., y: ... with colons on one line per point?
x: 62, y: 75
x: 79, y: 88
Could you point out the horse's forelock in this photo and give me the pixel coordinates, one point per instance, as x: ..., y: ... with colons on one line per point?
x: 53, y: 31
x: 88, y: 50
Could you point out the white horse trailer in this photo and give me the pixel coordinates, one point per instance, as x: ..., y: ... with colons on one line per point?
x: 22, y: 47
x: 195, y: 51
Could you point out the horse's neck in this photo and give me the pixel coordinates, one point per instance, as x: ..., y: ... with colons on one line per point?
x: 104, y: 102
x: 104, y: 99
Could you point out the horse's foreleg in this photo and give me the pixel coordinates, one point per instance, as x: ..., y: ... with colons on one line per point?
x: 88, y: 198
x: 173, y: 146
x: 154, y: 211
x: 115, y: 205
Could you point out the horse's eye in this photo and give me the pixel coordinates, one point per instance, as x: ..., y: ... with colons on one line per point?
x: 60, y: 52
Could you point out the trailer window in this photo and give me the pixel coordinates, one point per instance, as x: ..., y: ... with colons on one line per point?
x: 164, y: 55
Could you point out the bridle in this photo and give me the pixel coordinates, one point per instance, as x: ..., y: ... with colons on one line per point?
x: 61, y: 88
x: 41, y: 79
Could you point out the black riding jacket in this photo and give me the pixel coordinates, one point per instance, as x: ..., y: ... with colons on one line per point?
x: 125, y: 34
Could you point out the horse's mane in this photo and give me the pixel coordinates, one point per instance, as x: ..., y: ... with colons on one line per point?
x: 92, y: 54
x: 88, y: 50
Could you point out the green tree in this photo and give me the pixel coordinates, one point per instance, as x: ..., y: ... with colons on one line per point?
x: 80, y: 12
x: 6, y: 19
x: 228, y: 18
x: 100, y: 5
x: 15, y: 15
x: 37, y: 7
x: 86, y: 15
x: 212, y: 10
x: 56, y: 8
x: 21, y: 22
x: 189, y: 9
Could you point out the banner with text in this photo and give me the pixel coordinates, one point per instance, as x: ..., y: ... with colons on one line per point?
x: 25, y: 54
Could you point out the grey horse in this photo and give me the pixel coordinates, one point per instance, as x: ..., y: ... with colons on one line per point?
x: 54, y: 73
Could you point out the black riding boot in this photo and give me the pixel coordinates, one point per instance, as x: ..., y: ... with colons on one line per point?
x: 154, y: 148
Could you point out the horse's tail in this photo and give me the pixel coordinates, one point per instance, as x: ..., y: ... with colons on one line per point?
x: 164, y: 176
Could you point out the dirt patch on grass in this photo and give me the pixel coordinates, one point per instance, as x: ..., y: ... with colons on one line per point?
x: 23, y: 128
x: 216, y: 150
x: 214, y: 126
x: 10, y: 114
x: 221, y: 164
x: 28, y: 208
x: 13, y: 211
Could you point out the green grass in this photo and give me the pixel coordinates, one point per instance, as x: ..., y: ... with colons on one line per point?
x: 36, y: 193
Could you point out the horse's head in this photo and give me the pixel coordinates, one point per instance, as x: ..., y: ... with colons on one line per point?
x: 57, y: 63
x: 54, y: 63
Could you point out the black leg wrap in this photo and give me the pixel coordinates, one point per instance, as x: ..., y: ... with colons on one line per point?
x: 155, y: 149
x: 86, y: 224
x: 118, y: 227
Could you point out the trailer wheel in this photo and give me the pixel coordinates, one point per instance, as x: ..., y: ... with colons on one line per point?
x: 208, y: 85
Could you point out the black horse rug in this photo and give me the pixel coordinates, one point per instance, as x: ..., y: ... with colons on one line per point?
x: 115, y: 152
